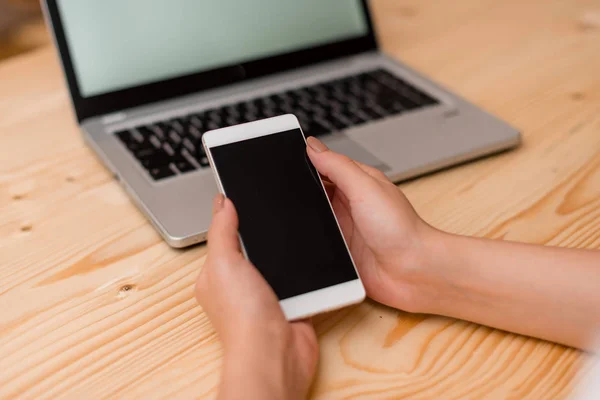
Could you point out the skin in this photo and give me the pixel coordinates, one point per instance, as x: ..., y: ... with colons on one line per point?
x: 265, y: 357
x: 545, y: 292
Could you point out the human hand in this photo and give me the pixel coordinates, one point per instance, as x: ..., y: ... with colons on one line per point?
x: 388, y: 240
x: 265, y: 356
x: 538, y: 291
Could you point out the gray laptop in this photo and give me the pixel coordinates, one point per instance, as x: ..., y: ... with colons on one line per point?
x: 148, y: 78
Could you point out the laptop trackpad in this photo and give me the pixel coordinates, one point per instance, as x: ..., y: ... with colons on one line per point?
x: 342, y: 144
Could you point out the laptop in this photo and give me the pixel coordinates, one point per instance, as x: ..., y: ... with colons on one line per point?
x: 148, y: 78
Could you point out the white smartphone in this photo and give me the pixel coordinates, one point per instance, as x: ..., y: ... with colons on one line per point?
x: 287, y: 226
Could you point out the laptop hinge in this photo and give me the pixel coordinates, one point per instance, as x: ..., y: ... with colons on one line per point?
x: 114, y: 117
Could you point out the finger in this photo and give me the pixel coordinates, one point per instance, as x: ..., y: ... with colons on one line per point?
x: 334, y: 194
x: 306, y: 333
x: 341, y: 207
x: 351, y: 179
x: 329, y: 189
x: 324, y: 178
x: 342, y: 198
x: 305, y: 328
x: 373, y: 172
x: 223, y: 239
x: 226, y: 267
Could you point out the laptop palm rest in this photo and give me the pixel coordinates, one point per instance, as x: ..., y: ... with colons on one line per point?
x: 343, y: 144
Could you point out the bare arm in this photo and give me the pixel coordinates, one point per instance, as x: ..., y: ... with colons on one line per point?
x: 550, y: 293
x: 546, y: 292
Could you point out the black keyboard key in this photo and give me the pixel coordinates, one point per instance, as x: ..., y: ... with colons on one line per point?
x: 161, y: 172
x: 394, y: 107
x: 193, y: 132
x: 132, y: 140
x: 317, y: 128
x: 340, y: 96
x: 262, y: 103
x: 197, y: 121
x: 137, y: 136
x: 136, y: 146
x: 188, y: 144
x: 370, y: 114
x: 174, y: 139
x: 240, y: 107
x: 213, y: 125
x: 249, y: 117
x: 409, y: 104
x: 277, y: 99
x: 214, y: 116
x: 244, y: 118
x: 160, y: 127
x: 125, y: 136
x: 316, y: 111
x: 176, y: 125
x: 338, y: 122
x: 144, y: 153
x: 152, y: 158
x: 231, y: 120
x: 168, y: 149
x: 155, y: 141
x: 287, y: 109
x: 260, y: 114
x: 182, y: 165
x: 145, y: 131
x: 200, y: 157
x: 268, y: 113
x: 203, y: 161
x: 382, y: 75
x: 304, y: 104
x: 189, y: 157
x: 334, y: 106
x: 231, y: 111
x: 174, y: 136
x: 411, y: 96
x: 354, y: 118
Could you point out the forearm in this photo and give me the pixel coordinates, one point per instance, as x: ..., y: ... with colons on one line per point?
x: 545, y: 292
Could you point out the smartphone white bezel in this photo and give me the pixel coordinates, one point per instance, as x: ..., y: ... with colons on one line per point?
x: 310, y: 303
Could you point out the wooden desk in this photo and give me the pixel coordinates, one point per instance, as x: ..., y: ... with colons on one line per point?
x: 94, y: 304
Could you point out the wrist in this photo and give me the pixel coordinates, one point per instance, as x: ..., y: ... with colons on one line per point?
x: 410, y: 277
x: 254, y: 364
x: 439, y: 270
x: 247, y: 376
x: 450, y: 274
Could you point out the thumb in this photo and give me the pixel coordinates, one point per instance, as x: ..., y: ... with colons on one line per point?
x: 223, y: 241
x: 229, y: 284
x: 341, y: 170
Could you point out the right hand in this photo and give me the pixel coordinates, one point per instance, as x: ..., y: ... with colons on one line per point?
x: 265, y: 356
x: 387, y: 239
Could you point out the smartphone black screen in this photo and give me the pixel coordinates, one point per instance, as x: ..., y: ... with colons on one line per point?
x: 286, y: 224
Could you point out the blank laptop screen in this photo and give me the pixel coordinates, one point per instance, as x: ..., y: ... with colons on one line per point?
x: 119, y: 44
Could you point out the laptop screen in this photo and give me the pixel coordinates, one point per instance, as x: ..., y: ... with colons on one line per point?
x: 117, y: 44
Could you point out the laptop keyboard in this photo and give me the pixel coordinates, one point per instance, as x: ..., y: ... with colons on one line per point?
x: 174, y: 147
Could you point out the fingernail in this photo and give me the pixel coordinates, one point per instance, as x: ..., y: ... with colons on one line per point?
x: 218, y: 203
x: 316, y: 144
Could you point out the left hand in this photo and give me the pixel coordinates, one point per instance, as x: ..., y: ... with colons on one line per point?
x: 265, y: 356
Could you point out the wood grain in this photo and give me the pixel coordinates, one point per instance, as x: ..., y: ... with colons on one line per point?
x: 93, y: 304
